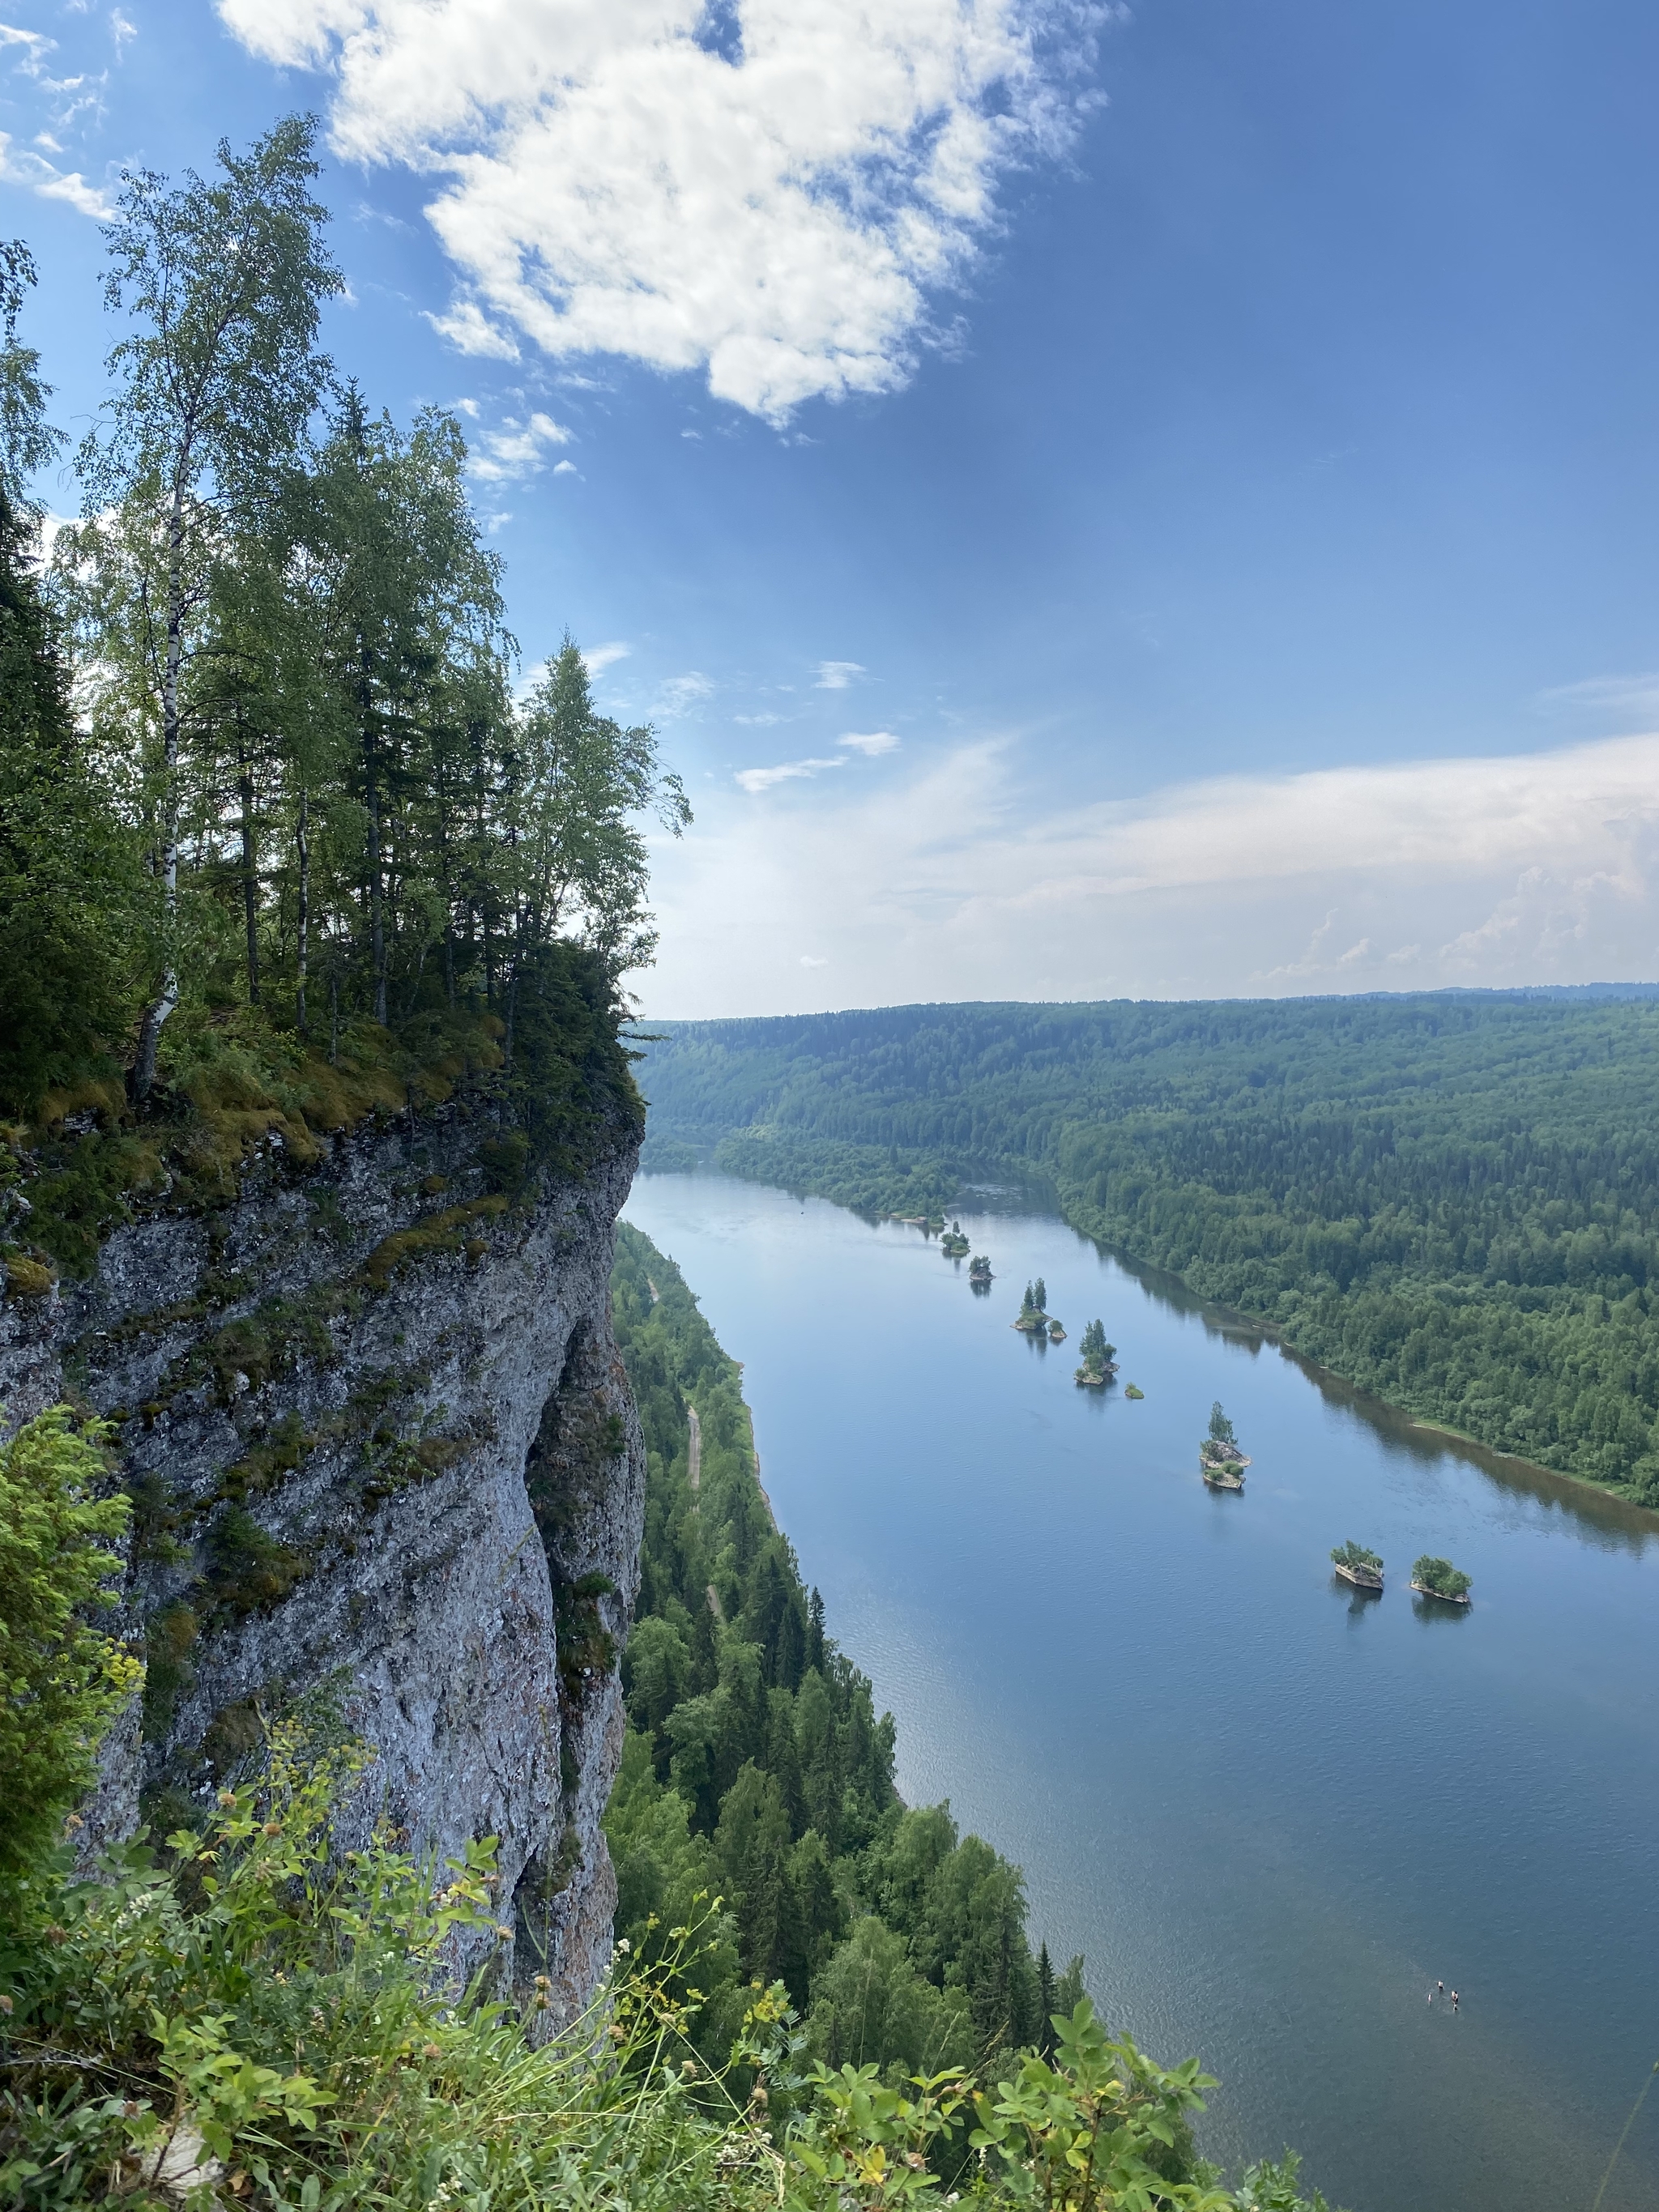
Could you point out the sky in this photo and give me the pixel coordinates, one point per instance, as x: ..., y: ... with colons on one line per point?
x: 1096, y: 501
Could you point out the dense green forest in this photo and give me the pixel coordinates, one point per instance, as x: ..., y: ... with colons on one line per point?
x: 281, y: 843
x: 1452, y: 1200
x: 756, y: 1767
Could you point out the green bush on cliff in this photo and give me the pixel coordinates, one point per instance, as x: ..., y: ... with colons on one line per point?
x: 61, y: 1680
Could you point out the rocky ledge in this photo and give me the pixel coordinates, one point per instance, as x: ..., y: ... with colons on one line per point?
x: 386, y: 1469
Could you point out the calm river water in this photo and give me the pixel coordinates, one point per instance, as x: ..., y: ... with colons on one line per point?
x: 1271, y: 1813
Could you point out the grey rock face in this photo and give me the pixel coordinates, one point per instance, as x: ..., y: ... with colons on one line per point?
x: 382, y: 1451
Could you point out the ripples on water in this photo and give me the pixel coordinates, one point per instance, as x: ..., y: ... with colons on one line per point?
x: 1271, y: 1811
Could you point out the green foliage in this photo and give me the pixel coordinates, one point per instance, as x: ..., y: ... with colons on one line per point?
x: 1096, y: 1350
x: 1453, y: 1201
x: 1440, y: 1577
x: 1221, y: 1429
x: 271, y: 2022
x: 1101, y: 2126
x: 1356, y: 1555
x: 71, y: 897
x: 61, y: 1680
x: 301, y: 851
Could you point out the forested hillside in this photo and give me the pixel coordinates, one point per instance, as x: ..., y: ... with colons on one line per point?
x: 756, y: 1769
x: 1452, y: 1200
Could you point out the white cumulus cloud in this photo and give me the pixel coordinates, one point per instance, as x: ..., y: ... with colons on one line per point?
x: 870, y: 742
x: 775, y: 205
x: 837, y: 675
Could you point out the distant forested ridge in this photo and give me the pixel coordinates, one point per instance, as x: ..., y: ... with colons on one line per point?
x: 1452, y: 1200
x: 756, y: 1768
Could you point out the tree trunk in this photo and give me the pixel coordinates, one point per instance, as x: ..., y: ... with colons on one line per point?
x: 156, y: 1012
x: 302, y: 849
x: 250, y: 858
x: 372, y: 794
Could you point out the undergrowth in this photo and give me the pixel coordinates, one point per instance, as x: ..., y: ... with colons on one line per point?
x: 235, y: 1083
x: 250, y: 2017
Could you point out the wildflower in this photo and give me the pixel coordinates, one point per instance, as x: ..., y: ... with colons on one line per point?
x: 506, y: 1935
x: 271, y: 1828
x: 5, y: 2006
x: 431, y: 2051
x: 226, y: 1798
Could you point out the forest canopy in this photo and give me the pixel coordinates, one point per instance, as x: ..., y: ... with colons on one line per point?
x: 1452, y: 1200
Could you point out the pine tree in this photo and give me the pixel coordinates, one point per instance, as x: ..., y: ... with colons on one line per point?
x: 1047, y: 2003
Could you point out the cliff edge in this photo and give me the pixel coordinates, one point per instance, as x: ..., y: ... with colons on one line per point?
x: 386, y: 1468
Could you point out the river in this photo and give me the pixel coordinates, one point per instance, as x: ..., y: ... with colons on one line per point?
x: 1271, y: 1813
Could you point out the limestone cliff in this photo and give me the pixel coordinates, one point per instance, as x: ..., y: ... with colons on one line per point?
x: 384, y: 1458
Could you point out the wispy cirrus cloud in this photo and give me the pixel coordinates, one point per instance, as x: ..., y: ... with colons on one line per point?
x: 870, y: 742
x: 770, y: 192
x: 19, y: 165
x: 516, y: 450
x: 837, y: 675
x: 1633, y: 696
x: 1534, y: 867
x: 683, y: 694
x: 766, y: 778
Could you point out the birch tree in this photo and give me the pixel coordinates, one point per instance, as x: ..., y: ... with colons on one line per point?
x: 223, y: 280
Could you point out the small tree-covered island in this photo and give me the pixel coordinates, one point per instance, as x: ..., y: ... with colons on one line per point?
x: 1436, y: 1578
x: 425, y: 1779
x: 1221, y: 1459
x: 1034, y: 1319
x: 1099, y: 1362
x: 1357, y: 1566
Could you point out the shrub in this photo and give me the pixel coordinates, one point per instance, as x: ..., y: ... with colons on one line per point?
x: 61, y: 1680
x: 287, y: 2021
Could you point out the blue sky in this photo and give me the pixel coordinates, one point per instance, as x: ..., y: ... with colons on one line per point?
x: 1154, y: 500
